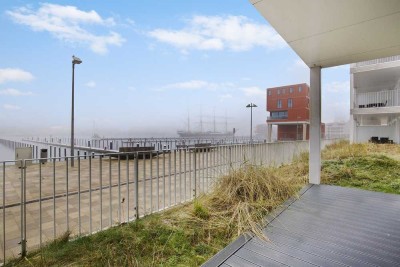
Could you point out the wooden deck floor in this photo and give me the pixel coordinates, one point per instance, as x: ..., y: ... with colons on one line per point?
x: 326, y: 226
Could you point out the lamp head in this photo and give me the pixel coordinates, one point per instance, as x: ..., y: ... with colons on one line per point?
x: 76, y: 60
x: 251, y: 105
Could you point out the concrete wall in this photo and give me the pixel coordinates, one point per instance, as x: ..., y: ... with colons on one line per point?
x: 364, y: 133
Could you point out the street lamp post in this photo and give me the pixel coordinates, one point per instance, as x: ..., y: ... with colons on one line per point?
x: 75, y: 60
x: 251, y: 106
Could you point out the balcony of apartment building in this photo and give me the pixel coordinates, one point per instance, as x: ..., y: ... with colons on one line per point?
x: 379, y: 102
x: 375, y: 87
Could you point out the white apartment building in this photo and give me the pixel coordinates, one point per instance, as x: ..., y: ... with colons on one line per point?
x: 375, y: 100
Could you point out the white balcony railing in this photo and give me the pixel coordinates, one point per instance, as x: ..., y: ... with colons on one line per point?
x: 388, y: 98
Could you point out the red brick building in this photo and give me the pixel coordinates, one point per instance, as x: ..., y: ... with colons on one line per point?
x: 289, y: 110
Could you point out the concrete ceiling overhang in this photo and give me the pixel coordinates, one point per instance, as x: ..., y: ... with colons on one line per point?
x: 328, y: 33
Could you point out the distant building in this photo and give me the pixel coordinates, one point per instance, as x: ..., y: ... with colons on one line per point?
x: 289, y: 109
x: 337, y: 130
x: 375, y: 100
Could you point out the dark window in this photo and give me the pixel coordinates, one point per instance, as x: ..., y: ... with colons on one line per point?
x: 283, y: 91
x: 269, y: 92
x: 279, y: 105
x: 291, y: 90
x: 300, y: 89
x: 279, y: 114
x: 290, y: 103
x: 279, y: 91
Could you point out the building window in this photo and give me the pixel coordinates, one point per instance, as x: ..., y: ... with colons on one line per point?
x: 291, y: 90
x: 283, y: 91
x: 279, y: 91
x: 269, y: 92
x: 279, y: 103
x: 300, y: 89
x: 279, y: 114
x: 290, y: 103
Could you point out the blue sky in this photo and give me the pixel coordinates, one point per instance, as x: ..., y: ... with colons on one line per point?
x: 146, y: 65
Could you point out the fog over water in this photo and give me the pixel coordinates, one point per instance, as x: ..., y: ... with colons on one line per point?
x: 6, y: 153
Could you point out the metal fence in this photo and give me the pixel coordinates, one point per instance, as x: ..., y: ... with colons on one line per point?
x: 387, y: 98
x: 43, y: 198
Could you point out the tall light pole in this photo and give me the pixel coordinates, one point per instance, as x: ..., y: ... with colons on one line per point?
x: 75, y: 60
x: 251, y: 106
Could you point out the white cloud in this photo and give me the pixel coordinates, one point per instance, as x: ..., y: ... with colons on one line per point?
x: 11, y: 107
x: 14, y: 92
x: 14, y: 75
x: 91, y: 84
x: 66, y: 23
x: 236, y: 33
x: 254, y: 91
x: 337, y: 87
x: 197, y: 85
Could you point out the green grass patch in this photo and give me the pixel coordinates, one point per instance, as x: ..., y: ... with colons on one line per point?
x: 156, y: 240
x: 365, y: 166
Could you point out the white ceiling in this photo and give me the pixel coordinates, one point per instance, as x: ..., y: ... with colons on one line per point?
x: 335, y: 32
x: 375, y: 80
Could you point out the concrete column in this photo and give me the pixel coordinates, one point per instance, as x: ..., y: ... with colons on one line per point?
x: 315, y: 126
x: 269, y: 133
x: 304, y: 131
x: 353, y: 124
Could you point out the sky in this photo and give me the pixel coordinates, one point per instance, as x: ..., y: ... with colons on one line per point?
x: 147, y: 67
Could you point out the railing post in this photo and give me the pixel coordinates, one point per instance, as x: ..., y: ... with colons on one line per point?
x: 230, y: 156
x: 194, y: 173
x: 23, y: 209
x: 137, y: 185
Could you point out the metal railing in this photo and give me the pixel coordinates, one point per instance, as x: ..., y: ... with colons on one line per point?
x: 387, y: 98
x: 277, y: 117
x: 41, y: 201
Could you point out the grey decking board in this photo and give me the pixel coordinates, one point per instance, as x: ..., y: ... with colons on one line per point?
x: 347, y: 213
x: 373, y: 254
x: 344, y: 226
x: 388, y: 209
x: 273, y: 254
x: 355, y: 242
x: 277, y: 254
x: 386, y: 238
x: 237, y: 261
x: 348, y: 226
x: 323, y: 249
x: 329, y: 232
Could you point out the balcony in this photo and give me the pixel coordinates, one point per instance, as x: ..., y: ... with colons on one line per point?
x: 388, y: 98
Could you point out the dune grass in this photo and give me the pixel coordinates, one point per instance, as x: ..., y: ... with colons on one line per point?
x: 190, y: 234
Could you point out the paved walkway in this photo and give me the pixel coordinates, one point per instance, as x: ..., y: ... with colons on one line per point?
x: 326, y: 226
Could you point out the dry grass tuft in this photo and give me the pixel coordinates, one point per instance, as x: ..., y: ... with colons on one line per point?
x: 241, y: 199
